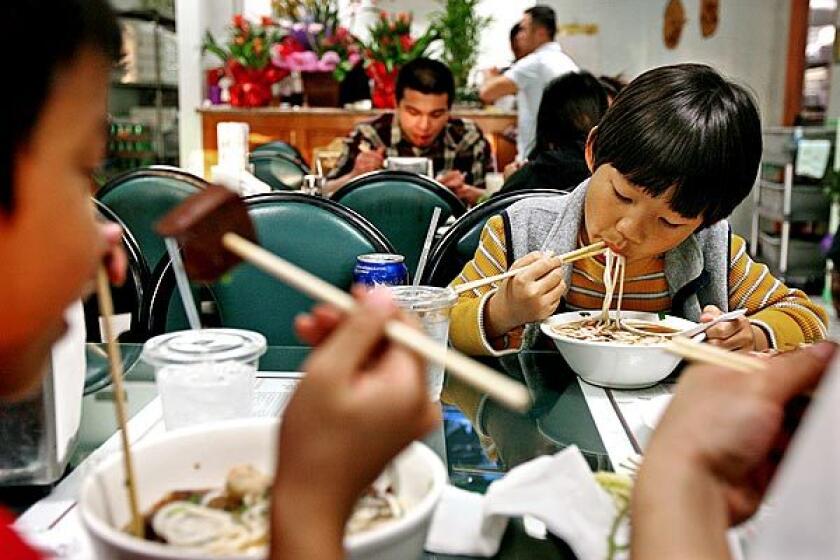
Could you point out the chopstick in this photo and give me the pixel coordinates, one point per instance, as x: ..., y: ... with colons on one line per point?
x: 712, y: 355
x: 106, y: 307
x: 503, y: 389
x: 565, y: 258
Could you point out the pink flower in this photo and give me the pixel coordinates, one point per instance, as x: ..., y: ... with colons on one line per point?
x: 353, y: 58
x: 330, y: 57
x: 306, y: 61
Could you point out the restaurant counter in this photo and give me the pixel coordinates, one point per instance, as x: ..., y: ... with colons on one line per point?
x: 308, y: 128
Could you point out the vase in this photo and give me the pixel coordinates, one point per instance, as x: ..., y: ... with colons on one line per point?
x: 384, y: 94
x: 320, y: 89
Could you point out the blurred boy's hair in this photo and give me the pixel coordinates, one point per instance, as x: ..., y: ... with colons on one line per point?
x: 64, y: 27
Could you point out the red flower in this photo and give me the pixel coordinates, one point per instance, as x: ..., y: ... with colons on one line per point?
x: 214, y: 75
x: 250, y: 94
x: 267, y: 21
x: 406, y: 42
x: 383, y: 15
x: 235, y: 70
x: 341, y: 33
x: 404, y: 17
x: 239, y: 21
x: 290, y: 45
x: 273, y: 74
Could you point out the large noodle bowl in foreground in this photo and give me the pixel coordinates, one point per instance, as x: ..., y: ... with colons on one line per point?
x: 183, y: 474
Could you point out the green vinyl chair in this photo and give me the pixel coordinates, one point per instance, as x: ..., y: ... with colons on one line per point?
x: 142, y: 196
x: 400, y: 204
x: 458, y: 245
x: 316, y: 234
x: 279, y: 171
x: 279, y: 147
x: 128, y: 298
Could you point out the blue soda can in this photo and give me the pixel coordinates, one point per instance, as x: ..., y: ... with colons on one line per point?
x: 380, y: 269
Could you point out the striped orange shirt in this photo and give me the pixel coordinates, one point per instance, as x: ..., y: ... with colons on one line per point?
x: 645, y: 286
x: 786, y: 315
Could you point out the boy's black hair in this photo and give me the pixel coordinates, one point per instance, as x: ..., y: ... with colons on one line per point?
x: 426, y: 76
x: 684, y: 126
x: 544, y: 16
x: 571, y: 105
x: 64, y: 28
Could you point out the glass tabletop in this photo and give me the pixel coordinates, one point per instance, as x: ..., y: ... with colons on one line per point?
x: 559, y: 417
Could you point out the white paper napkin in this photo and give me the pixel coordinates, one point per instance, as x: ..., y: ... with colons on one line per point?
x: 558, y: 490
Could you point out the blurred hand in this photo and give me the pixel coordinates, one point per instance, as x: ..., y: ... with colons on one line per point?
x: 469, y: 194
x: 362, y: 401
x: 532, y: 295
x: 725, y: 432
x: 737, y: 334
x: 369, y: 160
x: 452, y: 179
x: 512, y: 168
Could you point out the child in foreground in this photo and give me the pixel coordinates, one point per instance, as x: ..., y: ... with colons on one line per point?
x: 54, y: 132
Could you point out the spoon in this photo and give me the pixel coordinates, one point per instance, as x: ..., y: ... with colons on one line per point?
x: 693, y: 331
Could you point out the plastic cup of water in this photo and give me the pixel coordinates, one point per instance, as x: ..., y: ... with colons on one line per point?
x: 205, y: 375
x: 432, y: 306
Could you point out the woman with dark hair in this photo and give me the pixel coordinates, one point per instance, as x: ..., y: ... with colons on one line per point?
x: 571, y: 105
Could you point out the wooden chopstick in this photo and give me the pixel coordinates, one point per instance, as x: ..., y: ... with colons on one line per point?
x: 501, y: 388
x: 106, y: 308
x: 565, y: 258
x: 712, y: 355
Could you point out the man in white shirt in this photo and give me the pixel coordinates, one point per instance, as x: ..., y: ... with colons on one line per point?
x: 528, y: 76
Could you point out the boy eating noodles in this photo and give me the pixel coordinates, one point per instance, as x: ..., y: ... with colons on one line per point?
x: 675, y: 154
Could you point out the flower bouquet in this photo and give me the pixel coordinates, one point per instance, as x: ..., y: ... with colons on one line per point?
x: 247, y: 60
x: 323, y: 51
x: 389, y: 48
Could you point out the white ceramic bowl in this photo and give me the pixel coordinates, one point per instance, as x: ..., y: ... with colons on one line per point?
x: 200, y: 457
x: 611, y: 364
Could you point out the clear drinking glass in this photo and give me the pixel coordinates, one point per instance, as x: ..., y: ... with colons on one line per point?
x: 205, y: 375
x: 432, y: 306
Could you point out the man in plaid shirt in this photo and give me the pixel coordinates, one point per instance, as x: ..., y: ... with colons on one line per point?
x: 420, y: 127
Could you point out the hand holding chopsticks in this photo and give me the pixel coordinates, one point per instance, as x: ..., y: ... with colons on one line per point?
x: 566, y: 258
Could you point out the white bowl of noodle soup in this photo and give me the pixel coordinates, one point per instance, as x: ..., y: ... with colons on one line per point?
x: 200, y: 458
x: 617, y: 365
